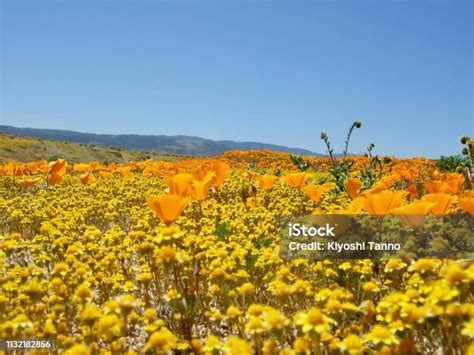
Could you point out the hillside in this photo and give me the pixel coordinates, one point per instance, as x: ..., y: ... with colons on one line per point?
x: 182, y: 145
x: 31, y: 149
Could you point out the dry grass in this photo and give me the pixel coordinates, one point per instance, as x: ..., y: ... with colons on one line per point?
x: 26, y: 149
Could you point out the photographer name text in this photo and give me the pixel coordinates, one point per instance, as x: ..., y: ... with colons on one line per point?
x: 301, y: 230
x: 340, y: 247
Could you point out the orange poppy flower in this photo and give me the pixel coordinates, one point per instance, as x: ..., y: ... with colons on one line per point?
x: 413, y: 214
x: 207, y: 176
x: 434, y: 187
x: 8, y: 169
x: 167, y: 207
x: 450, y: 176
x: 352, y: 187
x: 378, y: 187
x: 402, y: 171
x: 126, y: 172
x: 296, y: 180
x: 54, y: 178
x: 266, y: 182
x: 467, y: 204
x: 29, y: 182
x: 59, y: 167
x: 87, y: 178
x: 435, y: 174
x: 330, y: 185
x: 179, y: 183
x: 199, y: 189
x: 56, y: 171
x: 355, y: 207
x: 382, y: 203
x: 453, y: 186
x: 315, y: 192
x: 221, y: 171
x: 19, y: 170
x: 203, y: 174
x: 468, y: 193
x: 441, y: 202
x: 389, y: 180
x: 148, y: 171
x: 413, y: 191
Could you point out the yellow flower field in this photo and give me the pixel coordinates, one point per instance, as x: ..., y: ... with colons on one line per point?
x: 160, y: 257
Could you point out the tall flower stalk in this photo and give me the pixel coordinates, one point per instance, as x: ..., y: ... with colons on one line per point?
x: 340, y: 168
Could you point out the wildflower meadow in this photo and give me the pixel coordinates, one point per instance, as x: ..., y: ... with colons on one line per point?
x: 183, y: 257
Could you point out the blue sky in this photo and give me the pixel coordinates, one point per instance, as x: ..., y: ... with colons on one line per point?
x: 267, y: 71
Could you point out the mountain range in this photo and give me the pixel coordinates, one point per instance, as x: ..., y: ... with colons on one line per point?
x: 161, y: 144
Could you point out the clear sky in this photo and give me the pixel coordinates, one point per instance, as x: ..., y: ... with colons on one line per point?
x: 266, y: 71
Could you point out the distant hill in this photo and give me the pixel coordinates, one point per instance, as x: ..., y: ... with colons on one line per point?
x: 161, y: 144
x: 25, y: 149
